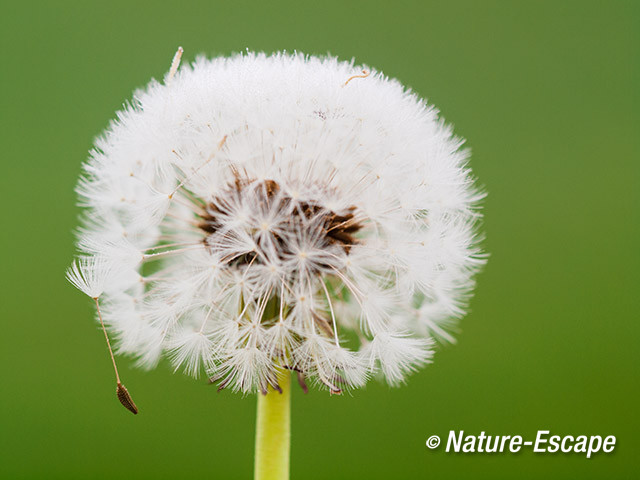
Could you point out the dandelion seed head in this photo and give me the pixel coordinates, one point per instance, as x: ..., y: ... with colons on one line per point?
x: 260, y: 212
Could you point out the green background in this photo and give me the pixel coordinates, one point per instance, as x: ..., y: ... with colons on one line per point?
x: 546, y: 94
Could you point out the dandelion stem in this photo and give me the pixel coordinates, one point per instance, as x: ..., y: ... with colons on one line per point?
x: 273, y: 431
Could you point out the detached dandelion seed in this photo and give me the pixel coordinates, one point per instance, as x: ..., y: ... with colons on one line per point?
x: 257, y: 215
x: 88, y: 275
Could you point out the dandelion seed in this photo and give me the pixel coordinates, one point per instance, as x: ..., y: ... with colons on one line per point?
x: 125, y: 399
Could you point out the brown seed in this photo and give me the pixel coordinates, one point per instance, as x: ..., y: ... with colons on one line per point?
x: 301, y: 382
x: 125, y: 399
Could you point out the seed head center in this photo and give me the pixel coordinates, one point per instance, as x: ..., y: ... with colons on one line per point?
x: 301, y: 225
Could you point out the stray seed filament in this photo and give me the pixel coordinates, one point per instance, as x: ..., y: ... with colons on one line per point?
x: 364, y: 74
x: 175, y: 63
x: 122, y: 393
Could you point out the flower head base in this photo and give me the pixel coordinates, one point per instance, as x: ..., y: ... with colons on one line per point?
x: 267, y: 212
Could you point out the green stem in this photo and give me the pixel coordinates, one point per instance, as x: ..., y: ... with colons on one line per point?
x: 273, y: 432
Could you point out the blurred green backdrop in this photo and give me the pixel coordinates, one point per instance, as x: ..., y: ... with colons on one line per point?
x: 546, y: 94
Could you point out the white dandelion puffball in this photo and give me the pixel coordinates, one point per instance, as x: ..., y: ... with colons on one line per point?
x: 259, y: 213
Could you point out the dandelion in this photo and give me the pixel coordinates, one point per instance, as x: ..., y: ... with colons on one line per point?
x: 256, y: 215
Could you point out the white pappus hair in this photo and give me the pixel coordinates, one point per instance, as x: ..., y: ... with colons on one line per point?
x: 262, y: 212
